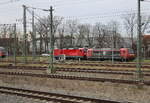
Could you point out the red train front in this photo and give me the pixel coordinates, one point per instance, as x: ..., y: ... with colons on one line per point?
x: 127, y: 54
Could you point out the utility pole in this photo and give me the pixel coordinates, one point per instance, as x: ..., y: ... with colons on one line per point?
x: 24, y: 34
x: 51, y: 66
x: 139, y: 72
x: 33, y: 38
x: 113, y: 48
x: 15, y: 44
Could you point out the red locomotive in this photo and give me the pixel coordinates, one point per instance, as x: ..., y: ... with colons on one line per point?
x: 2, y: 52
x: 107, y: 54
x: 70, y: 53
x: 96, y: 54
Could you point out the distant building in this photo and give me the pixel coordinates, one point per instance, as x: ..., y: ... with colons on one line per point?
x: 146, y: 46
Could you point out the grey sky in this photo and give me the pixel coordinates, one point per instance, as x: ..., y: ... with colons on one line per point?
x: 77, y: 8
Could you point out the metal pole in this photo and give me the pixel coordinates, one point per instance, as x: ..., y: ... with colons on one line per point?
x: 51, y: 66
x: 139, y: 43
x: 113, y: 48
x: 24, y: 34
x: 14, y: 44
x: 33, y: 38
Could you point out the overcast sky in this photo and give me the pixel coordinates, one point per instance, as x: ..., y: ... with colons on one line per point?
x: 84, y: 10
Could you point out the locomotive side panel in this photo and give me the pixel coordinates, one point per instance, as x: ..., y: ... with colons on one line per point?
x: 70, y: 53
x: 96, y: 54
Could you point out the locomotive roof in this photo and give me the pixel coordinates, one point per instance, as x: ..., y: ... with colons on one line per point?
x: 73, y: 48
x: 104, y: 49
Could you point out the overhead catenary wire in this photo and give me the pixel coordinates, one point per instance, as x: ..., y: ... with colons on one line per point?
x: 100, y: 16
x: 35, y: 8
x: 7, y: 2
x: 119, y: 14
x: 37, y: 17
x: 146, y: 1
x: 103, y: 15
x: 58, y: 4
x: 79, y: 18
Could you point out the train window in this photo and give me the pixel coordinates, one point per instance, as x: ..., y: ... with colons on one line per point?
x: 108, y: 53
x: 116, y: 52
x: 130, y: 51
x: 97, y: 53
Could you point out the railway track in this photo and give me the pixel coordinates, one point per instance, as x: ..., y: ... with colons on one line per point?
x: 104, y: 62
x: 81, y: 78
x: 82, y: 70
x: 84, y: 61
x: 123, y: 65
x: 55, y: 97
x: 107, y: 65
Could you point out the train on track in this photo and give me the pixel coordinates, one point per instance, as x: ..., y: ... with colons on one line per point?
x: 2, y: 52
x: 122, y: 54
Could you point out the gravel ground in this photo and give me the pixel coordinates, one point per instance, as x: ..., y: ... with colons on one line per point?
x: 94, y: 75
x: 16, y: 99
x: 106, y: 90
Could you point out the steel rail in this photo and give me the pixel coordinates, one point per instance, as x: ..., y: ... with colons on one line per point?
x: 62, y: 98
x: 108, y: 65
x: 70, y: 77
x: 83, y: 70
x: 37, y: 62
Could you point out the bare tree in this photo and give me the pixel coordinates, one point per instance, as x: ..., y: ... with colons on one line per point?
x: 114, y: 34
x: 85, y: 37
x: 89, y: 37
x: 81, y: 35
x: 72, y: 29
x: 40, y: 30
x: 145, y: 23
x: 100, y: 32
x: 43, y: 28
x: 61, y: 37
x: 6, y: 31
x: 130, y: 23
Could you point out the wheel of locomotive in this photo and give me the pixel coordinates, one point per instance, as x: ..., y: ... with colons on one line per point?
x: 122, y: 60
